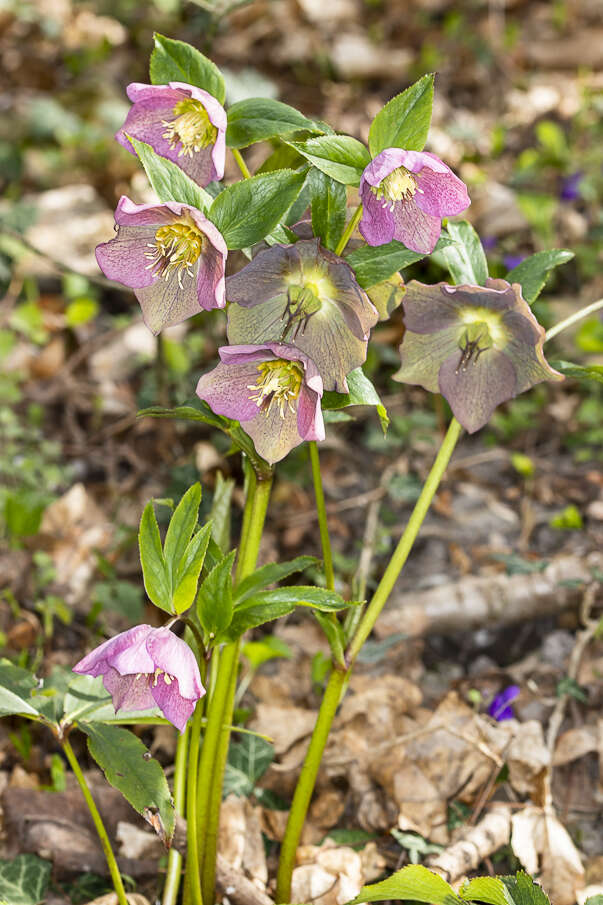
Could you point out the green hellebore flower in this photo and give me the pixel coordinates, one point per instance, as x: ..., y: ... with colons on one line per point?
x: 476, y: 345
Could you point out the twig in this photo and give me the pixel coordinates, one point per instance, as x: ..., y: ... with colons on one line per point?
x: 476, y: 844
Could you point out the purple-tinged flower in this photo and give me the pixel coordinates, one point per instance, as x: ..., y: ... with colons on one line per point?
x: 273, y: 389
x: 148, y: 667
x: 405, y: 195
x: 183, y: 123
x: 476, y: 345
x: 170, y: 255
x: 304, y: 295
x: 501, y: 705
x: 570, y: 187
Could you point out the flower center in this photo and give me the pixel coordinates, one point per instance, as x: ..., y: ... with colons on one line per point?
x: 475, y: 340
x: 191, y: 127
x: 399, y: 185
x: 302, y: 303
x: 176, y: 248
x: 279, y: 384
x: 153, y: 677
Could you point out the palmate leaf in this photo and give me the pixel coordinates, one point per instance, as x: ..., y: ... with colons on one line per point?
x: 270, y: 574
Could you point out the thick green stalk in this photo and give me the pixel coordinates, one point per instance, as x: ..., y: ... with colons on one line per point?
x: 321, y: 511
x: 219, y: 718
x: 338, y: 680
x: 193, y: 894
x: 174, y: 866
x: 349, y: 230
x: 98, y: 822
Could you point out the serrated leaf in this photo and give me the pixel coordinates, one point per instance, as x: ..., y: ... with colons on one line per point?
x: 490, y: 890
x: 220, y: 511
x: 373, y: 264
x: 260, y: 118
x: 168, y: 181
x: 404, y: 121
x: 532, y: 273
x: 180, y: 529
x: 247, y: 762
x: 524, y: 891
x: 24, y: 880
x: 299, y: 595
x: 328, y: 202
x: 361, y: 392
x: 186, y: 579
x: 124, y: 760
x: 465, y: 258
x: 214, y: 601
x: 270, y: 574
x: 413, y: 882
x: 341, y: 157
x: 248, y: 210
x: 579, y: 372
x: 177, y: 61
x: 16, y: 687
x: 154, y: 570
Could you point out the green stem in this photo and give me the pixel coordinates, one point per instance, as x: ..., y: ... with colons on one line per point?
x: 573, y: 318
x: 174, y: 866
x: 349, y: 230
x: 241, y: 163
x: 98, y: 822
x: 193, y: 894
x: 338, y: 680
x: 217, y: 734
x: 322, y: 515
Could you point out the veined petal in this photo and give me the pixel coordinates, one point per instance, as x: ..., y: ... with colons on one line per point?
x: 265, y: 277
x: 310, y: 424
x: 377, y: 225
x: 441, y: 194
x: 422, y: 356
x: 474, y: 392
x: 173, y: 655
x: 103, y: 656
x: 175, y: 707
x: 429, y: 309
x: 129, y: 692
x: 226, y: 389
x: 414, y: 228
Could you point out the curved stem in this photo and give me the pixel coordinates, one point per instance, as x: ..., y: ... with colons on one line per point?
x: 347, y: 235
x: 241, y: 163
x: 323, y: 527
x: 98, y: 822
x: 174, y: 866
x: 338, y: 680
x: 573, y: 319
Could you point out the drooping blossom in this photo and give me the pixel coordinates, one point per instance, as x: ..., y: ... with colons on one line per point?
x: 405, y: 195
x: 183, y: 123
x: 148, y: 667
x: 273, y: 389
x: 501, y: 705
x: 304, y: 295
x: 476, y: 345
x: 170, y: 255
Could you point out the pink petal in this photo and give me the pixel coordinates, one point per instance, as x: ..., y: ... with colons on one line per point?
x: 414, y: 228
x: 377, y: 224
x: 129, y: 692
x: 441, y: 194
x: 174, y: 656
x: 226, y: 389
x: 175, y: 708
x: 101, y: 658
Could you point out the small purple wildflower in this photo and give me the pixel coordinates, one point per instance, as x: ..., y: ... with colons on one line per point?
x: 405, y: 195
x: 570, y: 187
x: 273, y: 389
x: 147, y: 667
x: 511, y: 261
x: 501, y: 706
x: 476, y: 345
x: 489, y: 242
x: 170, y: 255
x: 180, y: 122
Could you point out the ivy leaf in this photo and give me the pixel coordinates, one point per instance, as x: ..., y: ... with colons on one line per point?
x: 247, y: 762
x: 177, y: 61
x: 260, y: 118
x: 24, y: 880
x: 532, y: 273
x: 404, y: 121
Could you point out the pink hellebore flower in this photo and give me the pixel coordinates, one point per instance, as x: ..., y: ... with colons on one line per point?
x: 405, y: 194
x: 148, y: 667
x: 183, y: 123
x: 170, y: 255
x: 274, y: 390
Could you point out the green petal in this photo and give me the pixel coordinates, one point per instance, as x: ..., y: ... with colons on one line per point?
x: 422, y: 355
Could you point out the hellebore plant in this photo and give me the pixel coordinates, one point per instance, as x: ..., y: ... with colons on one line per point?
x: 299, y: 319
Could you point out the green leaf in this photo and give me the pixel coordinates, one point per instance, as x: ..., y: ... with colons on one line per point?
x: 404, y: 121
x: 126, y: 764
x: 270, y: 574
x: 361, y: 392
x: 341, y: 157
x: 387, y: 295
x: 248, y: 760
x: 176, y: 61
x: 465, y: 258
x: 328, y: 200
x: 154, y: 570
x: 524, y: 891
x: 259, y: 118
x: 186, y: 578
x: 248, y: 210
x: 220, y: 512
x: 299, y: 595
x: 374, y: 264
x: 270, y: 647
x: 334, y: 634
x: 16, y: 687
x: 180, y: 530
x: 413, y: 882
x: 532, y: 273
x: 24, y: 880
x: 579, y: 372
x: 168, y: 181
x: 214, y: 601
x: 251, y: 614
x: 490, y: 890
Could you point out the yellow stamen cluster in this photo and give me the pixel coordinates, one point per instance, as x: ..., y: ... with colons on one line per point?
x: 191, y: 127
x: 153, y: 678
x: 176, y: 248
x: 279, y: 384
x: 399, y: 185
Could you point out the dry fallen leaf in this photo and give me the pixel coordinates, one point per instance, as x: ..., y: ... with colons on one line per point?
x: 545, y: 848
x: 240, y: 840
x: 575, y: 743
x: 332, y: 875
